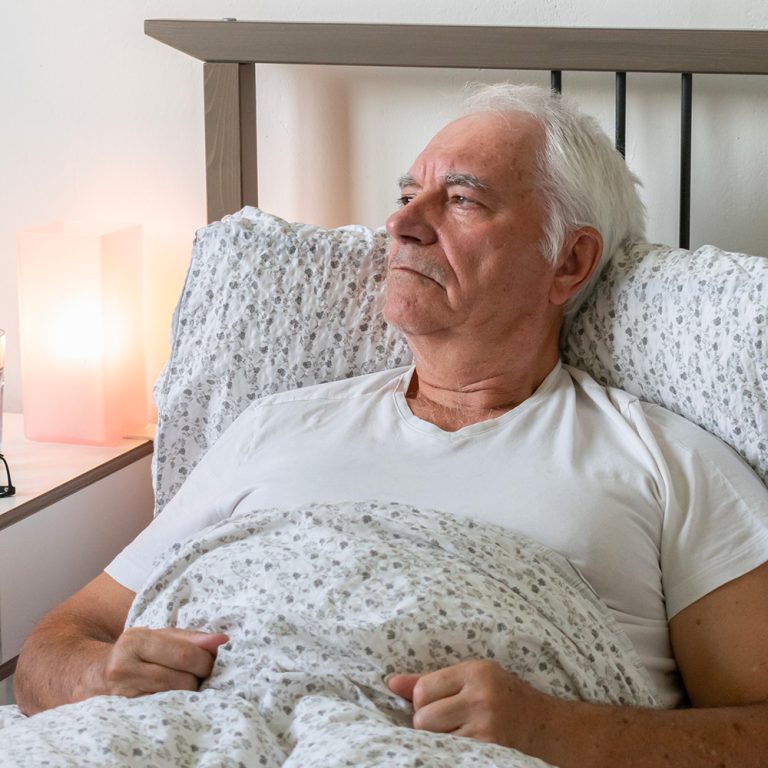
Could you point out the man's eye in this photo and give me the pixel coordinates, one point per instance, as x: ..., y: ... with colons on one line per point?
x: 404, y: 200
x: 461, y: 200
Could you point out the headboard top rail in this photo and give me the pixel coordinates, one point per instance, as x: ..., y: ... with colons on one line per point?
x: 472, y: 47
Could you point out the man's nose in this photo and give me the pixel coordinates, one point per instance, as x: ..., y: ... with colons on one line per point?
x: 413, y: 223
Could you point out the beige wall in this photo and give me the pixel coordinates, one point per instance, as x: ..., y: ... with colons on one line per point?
x: 99, y: 122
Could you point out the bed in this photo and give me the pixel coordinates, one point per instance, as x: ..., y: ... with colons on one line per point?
x: 270, y: 305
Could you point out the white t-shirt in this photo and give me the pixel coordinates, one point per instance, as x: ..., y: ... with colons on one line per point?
x: 652, y: 510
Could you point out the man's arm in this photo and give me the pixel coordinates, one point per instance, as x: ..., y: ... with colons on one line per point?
x: 721, y: 644
x: 80, y: 650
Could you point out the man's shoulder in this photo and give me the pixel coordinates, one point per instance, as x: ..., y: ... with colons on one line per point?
x: 682, y: 434
x: 620, y: 399
x: 671, y: 431
x: 657, y: 416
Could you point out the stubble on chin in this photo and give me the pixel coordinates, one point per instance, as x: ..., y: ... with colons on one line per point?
x: 418, y: 263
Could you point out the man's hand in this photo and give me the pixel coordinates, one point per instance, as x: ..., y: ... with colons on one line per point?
x: 481, y: 700
x: 478, y: 699
x: 80, y: 650
x: 143, y: 661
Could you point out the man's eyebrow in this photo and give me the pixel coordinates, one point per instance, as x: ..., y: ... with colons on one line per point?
x: 450, y: 179
x: 466, y: 180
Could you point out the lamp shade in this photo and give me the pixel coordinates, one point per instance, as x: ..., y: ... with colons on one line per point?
x: 82, y: 347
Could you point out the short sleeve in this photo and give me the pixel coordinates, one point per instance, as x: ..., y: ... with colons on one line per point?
x: 205, y: 498
x: 716, y: 511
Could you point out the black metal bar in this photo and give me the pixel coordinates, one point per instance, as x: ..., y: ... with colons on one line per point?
x: 686, y: 98
x: 7, y: 668
x: 621, y: 112
x: 556, y: 80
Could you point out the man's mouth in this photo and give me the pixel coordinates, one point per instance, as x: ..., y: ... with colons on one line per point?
x: 417, y: 265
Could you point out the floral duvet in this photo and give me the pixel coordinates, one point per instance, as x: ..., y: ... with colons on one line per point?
x: 321, y: 604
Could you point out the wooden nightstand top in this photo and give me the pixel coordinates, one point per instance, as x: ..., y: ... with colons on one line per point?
x: 43, y: 473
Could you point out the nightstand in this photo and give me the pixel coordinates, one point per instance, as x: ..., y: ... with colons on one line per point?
x: 75, y: 508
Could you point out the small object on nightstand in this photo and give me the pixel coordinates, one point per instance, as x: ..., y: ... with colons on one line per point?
x: 6, y: 485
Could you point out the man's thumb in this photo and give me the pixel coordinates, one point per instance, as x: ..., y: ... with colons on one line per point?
x: 210, y: 643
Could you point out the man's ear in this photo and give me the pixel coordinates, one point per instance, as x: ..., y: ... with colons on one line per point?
x: 578, y: 260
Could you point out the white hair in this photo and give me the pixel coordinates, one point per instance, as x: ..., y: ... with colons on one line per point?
x: 585, y: 181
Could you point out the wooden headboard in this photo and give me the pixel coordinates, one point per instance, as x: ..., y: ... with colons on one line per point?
x: 230, y: 50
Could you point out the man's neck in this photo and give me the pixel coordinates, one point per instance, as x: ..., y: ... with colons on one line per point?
x: 453, y: 395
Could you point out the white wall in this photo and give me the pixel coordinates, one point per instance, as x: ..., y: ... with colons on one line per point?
x: 98, y: 121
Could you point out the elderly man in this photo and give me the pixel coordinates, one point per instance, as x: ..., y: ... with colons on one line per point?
x: 505, y: 218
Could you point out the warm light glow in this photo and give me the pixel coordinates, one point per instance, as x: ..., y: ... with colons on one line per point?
x: 83, y: 369
x: 76, y: 336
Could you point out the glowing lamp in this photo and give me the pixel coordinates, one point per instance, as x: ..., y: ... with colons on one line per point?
x: 82, y: 346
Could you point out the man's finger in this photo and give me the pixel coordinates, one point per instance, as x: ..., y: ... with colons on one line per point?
x: 442, y: 715
x: 434, y: 686
x: 402, y: 685
x: 170, y: 648
x: 154, y: 678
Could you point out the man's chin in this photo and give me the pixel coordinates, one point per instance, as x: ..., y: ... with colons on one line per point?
x: 409, y: 319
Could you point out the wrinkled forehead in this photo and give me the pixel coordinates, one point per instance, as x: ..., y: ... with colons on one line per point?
x: 487, y: 143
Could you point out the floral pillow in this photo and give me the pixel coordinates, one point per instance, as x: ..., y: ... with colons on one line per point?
x: 269, y: 306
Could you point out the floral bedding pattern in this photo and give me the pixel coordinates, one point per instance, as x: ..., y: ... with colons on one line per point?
x: 321, y: 604
x: 270, y: 306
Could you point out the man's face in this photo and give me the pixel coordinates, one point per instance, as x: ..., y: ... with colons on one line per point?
x: 465, y: 254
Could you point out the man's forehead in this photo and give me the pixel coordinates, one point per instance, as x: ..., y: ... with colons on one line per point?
x: 484, y: 149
